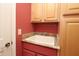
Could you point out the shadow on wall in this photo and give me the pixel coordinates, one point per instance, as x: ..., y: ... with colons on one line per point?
x: 46, y: 27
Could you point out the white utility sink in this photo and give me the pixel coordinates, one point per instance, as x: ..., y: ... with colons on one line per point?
x: 49, y: 41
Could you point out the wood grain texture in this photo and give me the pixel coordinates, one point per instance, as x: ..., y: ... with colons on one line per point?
x: 69, y: 35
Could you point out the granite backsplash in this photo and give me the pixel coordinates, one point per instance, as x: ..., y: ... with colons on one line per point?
x: 38, y: 33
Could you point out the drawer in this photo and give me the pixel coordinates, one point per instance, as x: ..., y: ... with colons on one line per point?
x: 40, y: 49
x: 28, y: 53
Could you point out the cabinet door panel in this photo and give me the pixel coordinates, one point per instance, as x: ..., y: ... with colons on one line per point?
x: 69, y: 37
x: 71, y: 8
x: 72, y: 39
x: 50, y: 11
x: 36, y: 11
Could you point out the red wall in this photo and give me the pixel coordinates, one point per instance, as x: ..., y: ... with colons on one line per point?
x: 46, y: 27
x: 23, y: 16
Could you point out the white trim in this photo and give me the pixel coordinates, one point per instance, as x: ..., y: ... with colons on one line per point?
x: 14, y: 29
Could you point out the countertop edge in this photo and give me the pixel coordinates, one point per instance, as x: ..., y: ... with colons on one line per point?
x: 42, y: 44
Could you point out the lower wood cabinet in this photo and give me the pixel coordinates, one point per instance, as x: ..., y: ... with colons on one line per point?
x: 29, y: 49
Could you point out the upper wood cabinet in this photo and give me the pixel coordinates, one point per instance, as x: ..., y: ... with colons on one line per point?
x: 47, y: 12
x: 36, y: 12
x: 73, y: 6
x: 70, y: 8
x: 50, y: 12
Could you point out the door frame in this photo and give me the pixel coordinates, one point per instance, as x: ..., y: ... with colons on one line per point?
x: 14, y: 29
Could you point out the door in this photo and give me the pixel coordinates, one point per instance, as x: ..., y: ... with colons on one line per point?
x: 50, y: 11
x: 36, y: 11
x: 6, y: 28
x: 72, y: 38
x: 69, y: 37
x: 73, y: 6
x: 70, y: 8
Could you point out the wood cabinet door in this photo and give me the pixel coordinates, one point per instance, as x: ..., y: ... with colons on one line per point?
x: 50, y: 11
x: 70, y: 8
x: 69, y: 37
x: 73, y: 6
x: 72, y: 38
x: 36, y: 12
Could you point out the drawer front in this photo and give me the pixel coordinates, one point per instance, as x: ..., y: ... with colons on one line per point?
x: 40, y: 49
x: 28, y: 53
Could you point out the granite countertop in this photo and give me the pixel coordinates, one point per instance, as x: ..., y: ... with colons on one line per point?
x: 43, y: 40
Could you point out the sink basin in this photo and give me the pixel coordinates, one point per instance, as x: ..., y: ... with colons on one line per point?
x: 49, y: 41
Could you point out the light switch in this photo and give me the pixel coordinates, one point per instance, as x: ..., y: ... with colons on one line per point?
x: 19, y: 31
